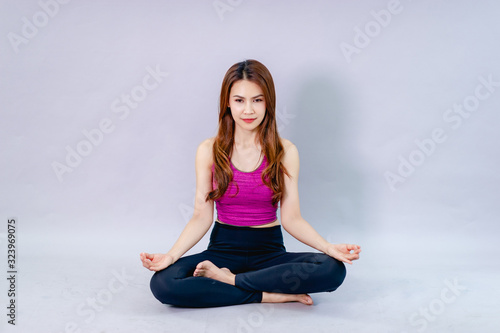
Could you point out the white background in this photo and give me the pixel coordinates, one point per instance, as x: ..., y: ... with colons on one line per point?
x: 353, y: 117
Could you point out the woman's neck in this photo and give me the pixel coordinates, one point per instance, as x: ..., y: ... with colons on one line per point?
x: 246, y: 139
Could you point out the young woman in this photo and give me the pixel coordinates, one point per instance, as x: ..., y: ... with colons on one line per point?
x: 247, y: 169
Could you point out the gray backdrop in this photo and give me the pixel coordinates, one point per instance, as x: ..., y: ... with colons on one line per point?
x: 393, y: 106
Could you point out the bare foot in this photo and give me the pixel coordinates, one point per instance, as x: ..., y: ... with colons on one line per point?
x: 283, y: 298
x: 208, y: 269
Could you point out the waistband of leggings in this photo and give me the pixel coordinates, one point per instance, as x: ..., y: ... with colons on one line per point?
x: 233, y: 238
x: 217, y: 224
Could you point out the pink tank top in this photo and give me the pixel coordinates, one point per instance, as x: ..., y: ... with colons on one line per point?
x: 253, y: 203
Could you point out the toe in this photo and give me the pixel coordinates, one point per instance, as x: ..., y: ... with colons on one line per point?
x: 306, y: 299
x: 201, y: 265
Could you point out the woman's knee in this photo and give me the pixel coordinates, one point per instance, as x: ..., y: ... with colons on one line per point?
x: 336, y: 272
x: 329, y: 272
x: 163, y: 287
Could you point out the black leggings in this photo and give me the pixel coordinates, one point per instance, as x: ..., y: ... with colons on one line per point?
x: 258, y: 258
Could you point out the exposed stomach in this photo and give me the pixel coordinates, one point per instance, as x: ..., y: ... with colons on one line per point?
x: 267, y: 225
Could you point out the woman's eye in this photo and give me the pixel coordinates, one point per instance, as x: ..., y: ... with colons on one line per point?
x: 239, y: 100
x: 258, y: 100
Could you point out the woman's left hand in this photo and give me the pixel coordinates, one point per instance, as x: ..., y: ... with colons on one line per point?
x: 343, y: 252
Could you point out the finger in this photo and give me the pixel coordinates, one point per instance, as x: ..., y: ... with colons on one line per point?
x: 146, y: 262
x: 143, y: 257
x: 347, y: 261
x: 352, y: 247
x: 354, y: 257
x: 344, y: 258
x: 152, y: 268
x: 348, y: 257
x: 353, y: 254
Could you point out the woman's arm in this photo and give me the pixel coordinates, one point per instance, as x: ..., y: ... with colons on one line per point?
x: 291, y: 218
x: 202, y: 218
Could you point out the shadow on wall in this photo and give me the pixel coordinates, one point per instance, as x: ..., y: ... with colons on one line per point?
x: 331, y: 184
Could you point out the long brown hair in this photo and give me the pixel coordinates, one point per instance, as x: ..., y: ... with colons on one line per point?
x: 267, y: 135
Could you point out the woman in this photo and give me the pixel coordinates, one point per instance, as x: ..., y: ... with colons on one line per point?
x: 247, y: 169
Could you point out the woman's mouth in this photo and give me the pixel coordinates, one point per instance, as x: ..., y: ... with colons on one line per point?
x: 249, y: 120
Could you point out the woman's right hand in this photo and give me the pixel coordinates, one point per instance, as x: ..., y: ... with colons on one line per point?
x: 156, y: 262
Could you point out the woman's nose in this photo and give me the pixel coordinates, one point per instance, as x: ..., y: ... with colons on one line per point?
x: 248, y: 108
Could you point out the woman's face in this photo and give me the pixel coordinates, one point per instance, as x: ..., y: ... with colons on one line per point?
x: 247, y: 103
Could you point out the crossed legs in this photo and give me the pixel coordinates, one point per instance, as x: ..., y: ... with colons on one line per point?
x: 207, y: 279
x: 208, y: 269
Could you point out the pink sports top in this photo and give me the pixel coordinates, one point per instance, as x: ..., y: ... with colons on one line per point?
x: 252, y: 204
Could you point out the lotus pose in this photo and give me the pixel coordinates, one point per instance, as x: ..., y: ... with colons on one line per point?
x: 246, y: 171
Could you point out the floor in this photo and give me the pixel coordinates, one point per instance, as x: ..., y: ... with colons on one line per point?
x: 84, y: 284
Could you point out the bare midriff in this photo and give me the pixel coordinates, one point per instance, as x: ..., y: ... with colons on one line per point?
x: 267, y: 225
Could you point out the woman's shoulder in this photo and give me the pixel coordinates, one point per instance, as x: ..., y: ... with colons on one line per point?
x: 290, y: 157
x: 207, y: 144
x: 204, y: 151
x: 287, y: 145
